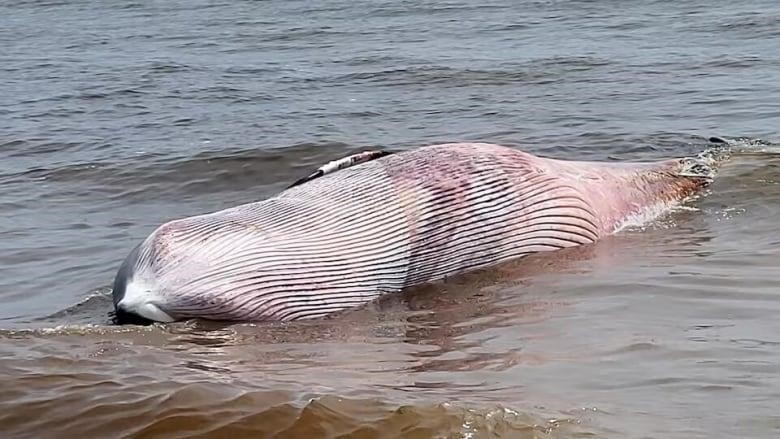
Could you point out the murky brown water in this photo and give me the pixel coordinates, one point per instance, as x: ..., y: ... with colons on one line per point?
x: 115, y: 118
x: 668, y: 331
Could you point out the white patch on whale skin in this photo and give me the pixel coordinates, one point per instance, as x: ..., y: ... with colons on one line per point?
x: 139, y: 299
x: 651, y: 213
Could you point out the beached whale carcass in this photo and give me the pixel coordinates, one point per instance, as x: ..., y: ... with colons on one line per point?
x: 376, y: 223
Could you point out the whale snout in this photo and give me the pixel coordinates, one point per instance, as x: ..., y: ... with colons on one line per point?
x: 135, y: 302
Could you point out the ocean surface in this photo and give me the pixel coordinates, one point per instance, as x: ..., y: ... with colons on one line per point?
x: 118, y: 116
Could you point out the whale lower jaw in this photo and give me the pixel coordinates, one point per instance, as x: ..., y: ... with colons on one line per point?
x: 140, y: 301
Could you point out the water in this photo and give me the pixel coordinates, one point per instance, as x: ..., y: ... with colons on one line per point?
x: 118, y: 116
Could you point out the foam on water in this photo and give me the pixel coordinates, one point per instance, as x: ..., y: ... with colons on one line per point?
x: 703, y: 165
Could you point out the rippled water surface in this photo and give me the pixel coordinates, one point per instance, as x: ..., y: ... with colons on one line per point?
x: 118, y: 116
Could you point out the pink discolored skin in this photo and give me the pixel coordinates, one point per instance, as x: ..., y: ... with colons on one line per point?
x: 381, y: 223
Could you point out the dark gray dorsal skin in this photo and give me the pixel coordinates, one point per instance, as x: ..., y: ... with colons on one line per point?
x: 376, y: 223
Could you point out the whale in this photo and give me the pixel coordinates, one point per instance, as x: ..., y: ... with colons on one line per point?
x: 378, y: 223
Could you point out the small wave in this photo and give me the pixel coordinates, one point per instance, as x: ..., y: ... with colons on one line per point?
x: 747, y: 25
x: 536, y: 71
x: 95, y: 306
x: 87, y: 329
x: 97, y: 403
x: 419, y: 9
x: 749, y: 145
x: 208, y: 172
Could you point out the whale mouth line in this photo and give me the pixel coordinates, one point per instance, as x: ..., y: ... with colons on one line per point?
x: 145, y: 310
x: 144, y: 313
x: 122, y: 317
x: 137, y: 302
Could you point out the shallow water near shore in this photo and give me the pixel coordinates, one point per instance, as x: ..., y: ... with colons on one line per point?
x: 116, y: 118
